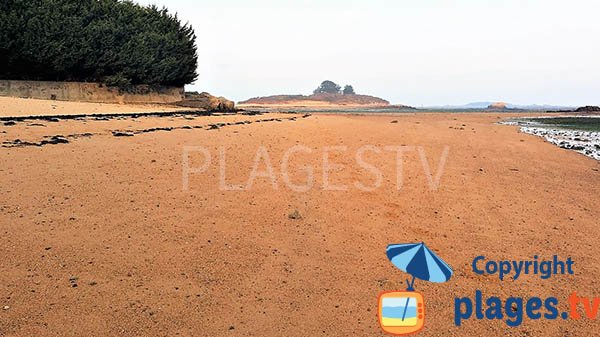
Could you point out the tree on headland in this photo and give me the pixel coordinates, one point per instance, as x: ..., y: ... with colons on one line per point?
x: 328, y: 87
x: 112, y: 41
x: 348, y: 90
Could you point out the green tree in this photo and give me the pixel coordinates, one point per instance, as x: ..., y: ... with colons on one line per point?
x: 348, y: 90
x: 112, y: 41
x: 328, y: 87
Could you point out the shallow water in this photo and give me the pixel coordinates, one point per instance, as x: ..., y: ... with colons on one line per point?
x: 578, y: 133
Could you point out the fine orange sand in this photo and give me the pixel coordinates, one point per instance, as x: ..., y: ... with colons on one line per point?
x: 99, y: 238
x: 15, y: 107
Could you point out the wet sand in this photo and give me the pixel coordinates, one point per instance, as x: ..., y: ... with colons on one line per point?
x: 100, y: 238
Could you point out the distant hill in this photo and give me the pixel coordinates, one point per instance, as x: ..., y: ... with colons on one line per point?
x: 320, y: 99
x: 497, y: 105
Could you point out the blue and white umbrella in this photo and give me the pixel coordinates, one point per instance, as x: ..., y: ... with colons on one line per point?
x: 420, y: 262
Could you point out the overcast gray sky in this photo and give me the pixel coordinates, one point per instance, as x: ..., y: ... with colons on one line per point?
x: 416, y: 52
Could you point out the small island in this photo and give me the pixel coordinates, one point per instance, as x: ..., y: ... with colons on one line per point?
x: 329, y: 95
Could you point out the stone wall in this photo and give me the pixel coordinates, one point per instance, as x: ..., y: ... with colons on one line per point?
x: 89, y: 92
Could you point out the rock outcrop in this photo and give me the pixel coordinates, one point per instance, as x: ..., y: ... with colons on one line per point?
x: 207, y: 102
x: 589, y: 108
x: 497, y: 106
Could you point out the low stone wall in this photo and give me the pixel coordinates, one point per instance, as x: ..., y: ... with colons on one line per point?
x: 89, y: 92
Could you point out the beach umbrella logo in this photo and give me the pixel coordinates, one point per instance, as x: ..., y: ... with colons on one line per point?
x: 403, y: 312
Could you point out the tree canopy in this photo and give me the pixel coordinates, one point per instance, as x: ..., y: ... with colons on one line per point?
x: 328, y: 87
x: 348, y: 90
x: 112, y: 41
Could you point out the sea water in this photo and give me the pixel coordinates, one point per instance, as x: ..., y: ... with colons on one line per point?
x: 399, y: 311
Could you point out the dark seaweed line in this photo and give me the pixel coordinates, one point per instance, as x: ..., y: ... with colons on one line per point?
x: 60, y: 139
x: 107, y: 116
x: 48, y: 140
x: 214, y: 126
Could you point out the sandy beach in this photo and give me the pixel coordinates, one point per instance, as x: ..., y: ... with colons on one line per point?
x: 18, y: 107
x: 100, y: 237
